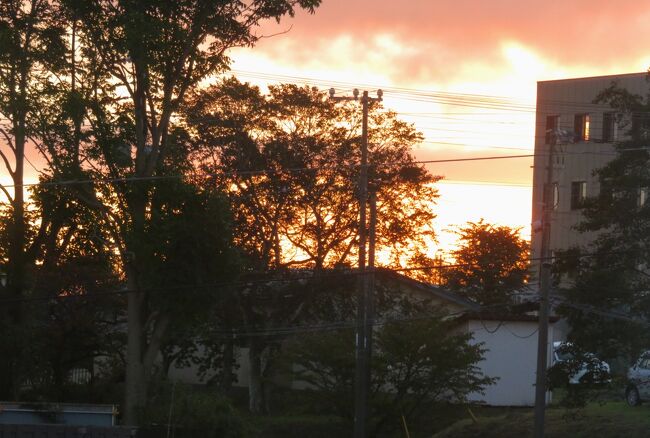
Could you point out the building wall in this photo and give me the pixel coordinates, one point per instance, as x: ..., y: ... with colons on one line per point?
x: 573, y: 162
x: 512, y: 357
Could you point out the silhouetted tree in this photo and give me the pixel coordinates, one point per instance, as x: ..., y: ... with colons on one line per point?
x: 490, y: 263
x: 291, y: 168
x: 146, y: 56
x: 31, y: 48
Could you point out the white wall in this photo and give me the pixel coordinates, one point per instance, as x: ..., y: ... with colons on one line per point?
x: 511, y: 356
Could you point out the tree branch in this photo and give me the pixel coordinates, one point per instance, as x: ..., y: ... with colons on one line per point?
x: 7, y: 164
x: 6, y: 192
x: 7, y: 137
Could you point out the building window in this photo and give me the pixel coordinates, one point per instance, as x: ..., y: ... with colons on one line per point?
x: 609, y: 127
x: 554, y: 193
x: 552, y: 124
x: 578, y: 194
x: 641, y: 196
x: 640, y: 126
x: 581, y: 127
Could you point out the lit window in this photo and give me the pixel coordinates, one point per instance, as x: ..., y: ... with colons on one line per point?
x: 578, y: 194
x: 642, y: 196
x: 581, y: 127
x: 609, y: 127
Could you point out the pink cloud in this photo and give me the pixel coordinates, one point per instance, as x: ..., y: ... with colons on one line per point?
x: 446, y: 33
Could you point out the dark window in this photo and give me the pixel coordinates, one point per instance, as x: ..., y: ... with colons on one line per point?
x: 607, y: 189
x: 581, y: 127
x: 578, y: 194
x: 640, y: 126
x: 552, y: 124
x: 609, y: 128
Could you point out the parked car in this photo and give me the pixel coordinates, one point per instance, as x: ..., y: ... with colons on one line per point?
x: 580, y: 366
x: 638, y: 377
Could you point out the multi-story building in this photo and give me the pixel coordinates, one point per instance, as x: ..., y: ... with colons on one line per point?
x: 583, y: 133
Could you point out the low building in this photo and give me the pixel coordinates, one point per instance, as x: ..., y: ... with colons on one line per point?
x: 510, y: 341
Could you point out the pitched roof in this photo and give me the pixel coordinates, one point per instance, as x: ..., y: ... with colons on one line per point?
x: 436, y: 291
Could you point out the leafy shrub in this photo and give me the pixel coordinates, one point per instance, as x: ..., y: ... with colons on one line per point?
x: 194, y: 412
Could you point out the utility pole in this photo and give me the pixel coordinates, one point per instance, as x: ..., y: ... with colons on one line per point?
x: 363, y: 332
x: 370, y: 276
x: 544, y: 286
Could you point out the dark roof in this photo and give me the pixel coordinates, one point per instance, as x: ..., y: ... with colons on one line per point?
x: 437, y: 291
x: 614, y: 76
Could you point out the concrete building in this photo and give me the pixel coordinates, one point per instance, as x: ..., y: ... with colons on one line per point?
x: 584, y: 133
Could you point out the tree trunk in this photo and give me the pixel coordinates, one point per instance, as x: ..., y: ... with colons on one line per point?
x: 255, y: 386
x: 135, y: 391
x: 15, y: 289
x: 227, y: 368
x: 268, y: 371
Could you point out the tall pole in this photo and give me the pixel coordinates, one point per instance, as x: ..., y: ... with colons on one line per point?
x: 363, y: 338
x: 544, y: 286
x: 370, y: 286
x: 360, y: 373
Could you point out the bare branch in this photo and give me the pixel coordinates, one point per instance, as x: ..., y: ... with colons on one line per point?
x: 7, y: 137
x: 6, y: 192
x: 284, y: 32
x: 7, y: 164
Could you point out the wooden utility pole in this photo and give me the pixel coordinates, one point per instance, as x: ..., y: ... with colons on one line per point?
x: 544, y: 286
x: 363, y: 338
x: 370, y: 286
x: 361, y: 374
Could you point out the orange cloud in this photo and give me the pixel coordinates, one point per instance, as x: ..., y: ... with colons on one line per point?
x: 439, y: 37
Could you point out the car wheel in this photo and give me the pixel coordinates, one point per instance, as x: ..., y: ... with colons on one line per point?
x: 632, y: 396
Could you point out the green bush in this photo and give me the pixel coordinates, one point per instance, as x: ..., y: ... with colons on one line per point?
x: 417, y: 365
x: 194, y: 412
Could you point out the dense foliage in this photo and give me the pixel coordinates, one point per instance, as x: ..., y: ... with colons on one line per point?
x: 490, y: 263
x: 418, y: 362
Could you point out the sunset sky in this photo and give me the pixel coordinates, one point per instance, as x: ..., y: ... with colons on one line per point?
x: 463, y: 71
x: 496, y: 48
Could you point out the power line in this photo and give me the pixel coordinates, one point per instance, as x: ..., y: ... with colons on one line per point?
x: 449, y: 98
x: 255, y: 172
x: 309, y: 169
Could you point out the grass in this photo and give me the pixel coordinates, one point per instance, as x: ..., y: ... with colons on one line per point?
x: 294, y: 416
x: 610, y: 419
